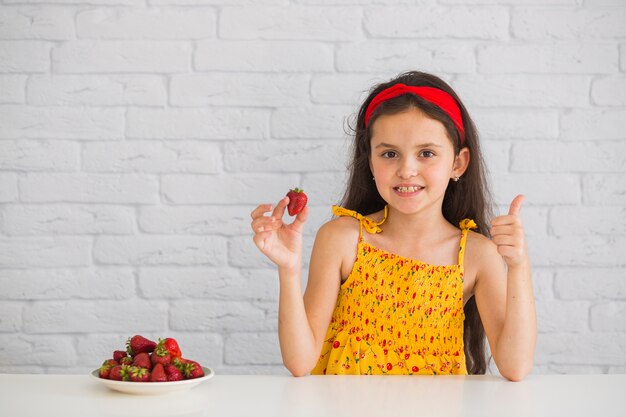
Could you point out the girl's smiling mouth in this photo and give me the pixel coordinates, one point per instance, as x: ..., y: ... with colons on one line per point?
x: 407, y: 189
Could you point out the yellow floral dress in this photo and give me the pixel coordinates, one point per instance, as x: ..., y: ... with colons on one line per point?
x: 395, y: 315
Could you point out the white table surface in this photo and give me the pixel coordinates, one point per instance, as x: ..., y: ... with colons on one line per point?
x: 321, y: 396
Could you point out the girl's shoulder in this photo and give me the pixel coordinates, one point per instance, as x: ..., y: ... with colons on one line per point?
x: 480, y: 250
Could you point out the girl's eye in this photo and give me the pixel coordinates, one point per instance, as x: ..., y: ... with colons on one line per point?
x: 389, y: 154
x: 427, y: 154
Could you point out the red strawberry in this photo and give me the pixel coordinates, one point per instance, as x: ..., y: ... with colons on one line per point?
x: 105, y: 369
x: 172, y: 347
x: 126, y: 360
x: 179, y: 363
x: 173, y: 373
x: 118, y: 355
x: 137, y: 374
x: 160, y: 355
x: 158, y: 374
x: 297, y: 201
x: 119, y: 373
x: 142, y: 360
x: 139, y: 344
x: 192, y: 370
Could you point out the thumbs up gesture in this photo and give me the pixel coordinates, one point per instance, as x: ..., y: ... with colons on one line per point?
x: 508, y: 234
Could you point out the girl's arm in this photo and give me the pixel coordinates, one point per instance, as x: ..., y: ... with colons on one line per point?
x: 302, y: 322
x: 507, y: 307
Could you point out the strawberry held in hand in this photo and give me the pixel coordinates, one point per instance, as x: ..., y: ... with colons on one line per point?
x: 297, y: 201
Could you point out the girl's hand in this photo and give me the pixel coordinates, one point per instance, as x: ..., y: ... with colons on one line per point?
x: 508, y: 234
x: 280, y: 242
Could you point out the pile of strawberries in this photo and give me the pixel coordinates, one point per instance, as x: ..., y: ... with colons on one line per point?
x: 147, y: 361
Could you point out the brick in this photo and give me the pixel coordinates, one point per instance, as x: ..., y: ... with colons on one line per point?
x: 38, y: 155
x: 294, y: 23
x: 243, y: 253
x: 451, y: 22
x: 263, y: 56
x: 61, y: 284
x: 291, y: 156
x: 566, y: 252
x: 146, y: 23
x: 218, y: 2
x: 226, y: 284
x: 98, y: 316
x: 496, y: 156
x: 195, y: 220
x: 348, y: 89
x: 560, y: 57
x: 251, y: 90
x: 386, y: 56
x: 588, y: 221
x: 608, y: 317
x: 583, y: 124
x: 92, y: 188
x: 599, y: 283
x: 50, y: 23
x: 10, y: 316
x: 575, y: 369
x: 516, y: 2
x: 102, y: 2
x: 41, y: 350
x: 45, y: 252
x: 312, y: 122
x: 534, y: 90
x: 66, y: 219
x: 96, y: 90
x: 266, y: 349
x: 604, y: 189
x: 544, y: 156
x: 226, y: 189
x: 576, y: 348
x: 562, y: 316
x: 325, y: 189
x: 568, y: 23
x: 152, y: 157
x: 160, y: 250
x: 122, y: 56
x: 12, y: 89
x: 25, y: 56
x: 214, y: 124
x: 538, y: 188
x: 222, y: 316
x: 61, y: 123
x: 543, y: 283
x: 507, y: 124
x: 610, y: 91
x: 8, y: 187
x: 622, y: 57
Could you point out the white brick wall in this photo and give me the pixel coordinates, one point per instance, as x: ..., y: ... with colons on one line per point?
x: 136, y: 136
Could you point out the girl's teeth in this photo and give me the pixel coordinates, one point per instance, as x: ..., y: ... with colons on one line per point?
x: 408, y: 189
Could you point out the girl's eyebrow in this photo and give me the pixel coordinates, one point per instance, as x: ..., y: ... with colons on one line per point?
x: 421, y: 145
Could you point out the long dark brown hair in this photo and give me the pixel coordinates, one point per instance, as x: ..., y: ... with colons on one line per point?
x: 467, y: 198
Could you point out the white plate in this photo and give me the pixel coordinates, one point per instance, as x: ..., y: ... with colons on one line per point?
x: 154, y: 388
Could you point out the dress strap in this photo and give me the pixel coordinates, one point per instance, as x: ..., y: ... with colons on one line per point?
x: 466, y: 225
x: 370, y: 225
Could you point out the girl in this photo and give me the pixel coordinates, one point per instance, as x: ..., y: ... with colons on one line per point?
x: 398, y: 284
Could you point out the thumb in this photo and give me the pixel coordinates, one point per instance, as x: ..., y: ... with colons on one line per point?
x: 516, y: 204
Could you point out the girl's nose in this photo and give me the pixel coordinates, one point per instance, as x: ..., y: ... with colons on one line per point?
x: 407, y: 169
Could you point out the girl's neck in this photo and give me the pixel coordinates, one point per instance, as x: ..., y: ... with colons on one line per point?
x: 424, y: 225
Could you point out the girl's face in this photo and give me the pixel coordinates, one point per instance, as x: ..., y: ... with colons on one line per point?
x: 413, y: 160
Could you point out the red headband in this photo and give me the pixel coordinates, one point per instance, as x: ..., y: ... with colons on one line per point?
x: 436, y: 96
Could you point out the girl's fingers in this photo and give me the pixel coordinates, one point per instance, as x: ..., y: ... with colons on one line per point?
x: 503, y: 230
x: 301, y: 217
x: 280, y: 208
x: 265, y: 222
x: 260, y: 210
